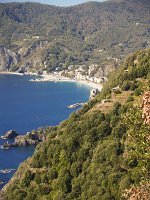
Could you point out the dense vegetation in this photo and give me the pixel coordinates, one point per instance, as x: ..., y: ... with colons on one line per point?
x: 84, y: 34
x: 94, y: 154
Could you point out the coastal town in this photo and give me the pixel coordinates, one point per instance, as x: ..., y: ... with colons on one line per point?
x: 79, y: 74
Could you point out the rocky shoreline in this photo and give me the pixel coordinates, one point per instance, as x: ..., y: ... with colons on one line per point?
x: 7, y: 171
x: 9, y: 135
x: 2, y: 182
x: 30, y: 138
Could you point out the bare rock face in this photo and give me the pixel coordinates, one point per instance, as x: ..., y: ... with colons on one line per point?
x: 104, y: 71
x: 11, y: 134
x: 8, y: 59
x: 31, y: 138
x: 93, y: 93
x: 34, y: 48
x: 24, y: 141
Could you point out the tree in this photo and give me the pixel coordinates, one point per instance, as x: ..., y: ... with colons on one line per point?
x: 137, y: 142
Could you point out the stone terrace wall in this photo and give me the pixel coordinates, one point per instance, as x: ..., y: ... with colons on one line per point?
x: 146, y: 107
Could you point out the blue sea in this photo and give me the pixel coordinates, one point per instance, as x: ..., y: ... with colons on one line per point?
x: 26, y: 105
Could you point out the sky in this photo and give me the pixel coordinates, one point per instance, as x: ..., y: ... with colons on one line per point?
x: 53, y: 2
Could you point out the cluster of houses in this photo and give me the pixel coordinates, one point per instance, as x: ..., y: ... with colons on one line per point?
x: 88, y: 76
x: 80, y: 73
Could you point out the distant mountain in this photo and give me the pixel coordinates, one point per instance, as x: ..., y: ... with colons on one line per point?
x: 9, y: 1
x: 94, y: 32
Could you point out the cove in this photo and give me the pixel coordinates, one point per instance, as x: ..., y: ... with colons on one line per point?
x: 26, y: 105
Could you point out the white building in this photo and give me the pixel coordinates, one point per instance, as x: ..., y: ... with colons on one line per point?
x: 79, y: 76
x: 97, y: 80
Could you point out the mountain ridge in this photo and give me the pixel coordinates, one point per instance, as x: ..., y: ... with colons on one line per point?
x: 85, y: 34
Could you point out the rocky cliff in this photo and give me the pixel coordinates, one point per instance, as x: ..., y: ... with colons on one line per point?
x: 8, y: 59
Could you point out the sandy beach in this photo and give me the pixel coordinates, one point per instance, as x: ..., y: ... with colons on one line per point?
x: 90, y: 84
x: 14, y: 73
x: 56, y: 78
x: 49, y: 77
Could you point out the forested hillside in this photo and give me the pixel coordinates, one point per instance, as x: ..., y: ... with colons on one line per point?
x: 101, y: 152
x: 100, y: 33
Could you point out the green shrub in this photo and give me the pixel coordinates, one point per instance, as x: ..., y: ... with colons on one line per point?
x: 130, y: 98
x: 134, y: 85
x: 138, y: 91
x: 126, y: 85
x: 117, y: 92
